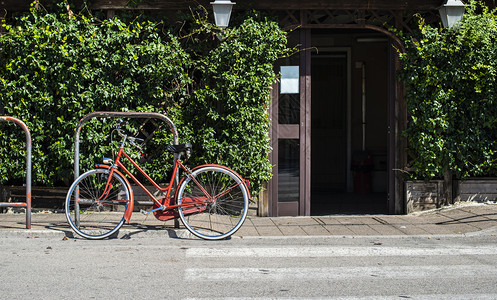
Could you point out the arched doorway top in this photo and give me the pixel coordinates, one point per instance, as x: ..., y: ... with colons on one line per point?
x: 376, y: 20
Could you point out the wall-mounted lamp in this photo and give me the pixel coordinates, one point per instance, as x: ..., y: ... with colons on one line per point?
x: 222, y: 12
x: 451, y: 12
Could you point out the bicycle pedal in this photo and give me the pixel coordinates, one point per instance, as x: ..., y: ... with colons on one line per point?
x: 147, y: 212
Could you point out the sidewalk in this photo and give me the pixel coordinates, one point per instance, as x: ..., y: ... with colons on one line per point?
x: 460, y: 219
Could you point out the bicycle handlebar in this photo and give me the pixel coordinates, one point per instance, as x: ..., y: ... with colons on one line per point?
x: 120, y: 132
x: 135, y: 139
x: 132, y: 140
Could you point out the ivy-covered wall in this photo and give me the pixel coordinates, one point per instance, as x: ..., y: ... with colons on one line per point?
x: 451, y: 93
x: 215, y: 85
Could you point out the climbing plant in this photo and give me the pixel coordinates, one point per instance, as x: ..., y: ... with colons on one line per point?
x: 450, y: 83
x: 215, y: 85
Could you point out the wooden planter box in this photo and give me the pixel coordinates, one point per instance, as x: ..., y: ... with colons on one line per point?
x: 423, y: 195
x: 41, y: 197
x: 478, y: 190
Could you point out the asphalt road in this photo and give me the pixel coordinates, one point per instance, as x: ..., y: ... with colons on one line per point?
x: 419, y: 267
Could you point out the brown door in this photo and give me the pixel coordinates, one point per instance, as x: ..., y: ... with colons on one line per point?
x: 290, y: 186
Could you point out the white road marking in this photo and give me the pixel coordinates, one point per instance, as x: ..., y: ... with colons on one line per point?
x: 396, y: 297
x: 339, y: 273
x: 294, y: 252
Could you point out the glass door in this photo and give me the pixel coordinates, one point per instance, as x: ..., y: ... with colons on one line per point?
x: 290, y: 187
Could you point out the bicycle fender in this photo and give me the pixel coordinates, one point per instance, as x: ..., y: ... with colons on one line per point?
x: 129, y: 210
x: 226, y: 168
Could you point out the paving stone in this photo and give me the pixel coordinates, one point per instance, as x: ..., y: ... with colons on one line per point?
x: 386, y: 230
x: 436, y: 229
x: 436, y: 219
x: 292, y: 230
x: 483, y: 223
x: 149, y: 220
x: 410, y: 229
x: 490, y: 216
x: 483, y: 211
x: 456, y: 214
x: 315, y: 230
x: 268, y: 231
x: 338, y: 230
x: 294, y: 221
x: 261, y: 221
x: 459, y: 228
x: 412, y: 219
x: 369, y: 220
x: 362, y: 230
x: 349, y: 221
x: 328, y: 220
x: 393, y: 220
x: 247, y: 231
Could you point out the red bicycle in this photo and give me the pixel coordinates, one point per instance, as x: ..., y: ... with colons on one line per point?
x: 211, y: 200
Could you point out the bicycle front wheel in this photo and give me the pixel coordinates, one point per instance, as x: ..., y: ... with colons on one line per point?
x: 95, y: 204
x: 213, y: 202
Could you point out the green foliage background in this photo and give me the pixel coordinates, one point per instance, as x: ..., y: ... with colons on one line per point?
x: 450, y: 80
x: 56, y: 68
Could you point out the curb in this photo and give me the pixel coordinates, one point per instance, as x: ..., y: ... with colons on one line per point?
x: 185, y: 234
x: 27, y: 233
x: 122, y: 234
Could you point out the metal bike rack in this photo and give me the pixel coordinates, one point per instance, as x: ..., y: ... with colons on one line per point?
x: 106, y: 114
x: 26, y: 204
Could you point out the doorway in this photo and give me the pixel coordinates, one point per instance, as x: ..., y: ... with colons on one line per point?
x: 349, y: 124
x: 331, y: 104
x: 329, y: 122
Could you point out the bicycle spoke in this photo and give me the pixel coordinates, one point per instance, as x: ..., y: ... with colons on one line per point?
x: 227, y: 210
x: 100, y: 208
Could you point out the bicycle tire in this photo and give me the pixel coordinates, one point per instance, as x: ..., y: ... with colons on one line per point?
x: 97, y: 217
x: 222, y: 212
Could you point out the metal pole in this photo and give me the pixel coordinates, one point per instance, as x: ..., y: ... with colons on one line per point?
x: 28, y: 171
x: 76, y: 175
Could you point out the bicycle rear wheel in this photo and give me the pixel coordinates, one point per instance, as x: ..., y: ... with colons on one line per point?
x: 215, y: 202
x: 95, y: 206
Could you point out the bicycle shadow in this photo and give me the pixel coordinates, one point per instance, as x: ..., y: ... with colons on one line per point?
x: 158, y: 231
x: 132, y: 230
x: 153, y: 230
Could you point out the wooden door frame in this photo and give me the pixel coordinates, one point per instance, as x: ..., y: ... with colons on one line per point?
x: 396, y: 118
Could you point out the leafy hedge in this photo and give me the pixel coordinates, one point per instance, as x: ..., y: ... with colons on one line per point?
x: 56, y: 68
x: 229, y: 116
x: 450, y: 79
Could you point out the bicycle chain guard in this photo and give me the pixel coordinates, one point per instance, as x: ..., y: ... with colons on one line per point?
x: 164, y: 215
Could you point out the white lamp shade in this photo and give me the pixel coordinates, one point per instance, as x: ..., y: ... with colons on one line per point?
x: 451, y: 12
x: 222, y: 12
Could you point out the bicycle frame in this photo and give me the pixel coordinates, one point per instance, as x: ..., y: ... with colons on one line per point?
x: 166, y: 204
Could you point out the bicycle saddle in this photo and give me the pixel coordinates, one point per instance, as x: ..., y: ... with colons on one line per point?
x: 179, y: 148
